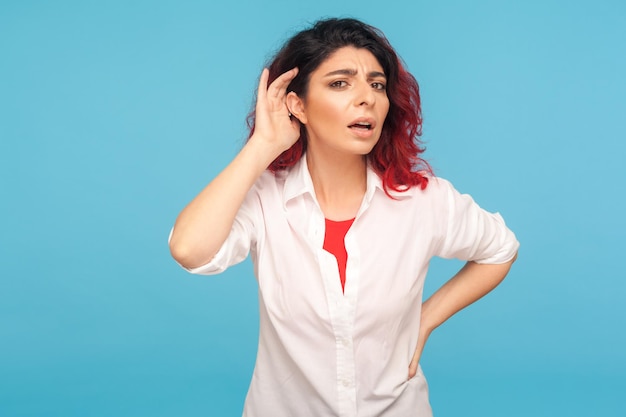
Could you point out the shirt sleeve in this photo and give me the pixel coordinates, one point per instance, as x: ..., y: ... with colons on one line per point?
x: 473, y: 234
x: 237, y: 245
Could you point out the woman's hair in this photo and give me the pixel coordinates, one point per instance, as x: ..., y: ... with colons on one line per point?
x: 396, y: 155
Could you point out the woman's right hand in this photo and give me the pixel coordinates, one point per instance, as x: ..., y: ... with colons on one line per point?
x: 203, y: 226
x: 273, y: 123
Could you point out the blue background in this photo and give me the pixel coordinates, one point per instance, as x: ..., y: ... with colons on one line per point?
x: 113, y: 115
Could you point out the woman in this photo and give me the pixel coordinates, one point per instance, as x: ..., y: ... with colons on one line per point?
x: 341, y: 228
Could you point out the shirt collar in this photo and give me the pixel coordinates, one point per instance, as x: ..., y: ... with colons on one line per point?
x: 374, y: 182
x: 298, y: 182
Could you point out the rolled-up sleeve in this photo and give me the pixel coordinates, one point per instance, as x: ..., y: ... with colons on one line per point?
x: 473, y: 234
x: 237, y: 245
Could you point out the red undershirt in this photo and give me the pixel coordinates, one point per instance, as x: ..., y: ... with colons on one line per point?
x: 334, y: 243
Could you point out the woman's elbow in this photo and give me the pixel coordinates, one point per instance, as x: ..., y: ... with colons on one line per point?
x: 187, y: 255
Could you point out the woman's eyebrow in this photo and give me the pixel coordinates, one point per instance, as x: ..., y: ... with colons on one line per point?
x: 353, y: 72
x: 350, y: 72
x: 376, y: 74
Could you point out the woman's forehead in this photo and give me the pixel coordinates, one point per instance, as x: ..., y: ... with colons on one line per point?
x: 350, y: 58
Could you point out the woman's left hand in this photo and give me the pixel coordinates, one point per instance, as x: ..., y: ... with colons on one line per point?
x: 421, y: 341
x: 469, y: 284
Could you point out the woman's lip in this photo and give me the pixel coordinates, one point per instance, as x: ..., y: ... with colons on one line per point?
x: 361, y: 132
x: 367, y: 120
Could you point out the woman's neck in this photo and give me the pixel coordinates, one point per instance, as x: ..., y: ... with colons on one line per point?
x: 339, y: 182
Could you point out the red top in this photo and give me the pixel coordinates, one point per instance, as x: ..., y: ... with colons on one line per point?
x: 334, y: 243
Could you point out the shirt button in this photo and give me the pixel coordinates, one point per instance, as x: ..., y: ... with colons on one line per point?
x: 346, y: 383
x: 346, y: 342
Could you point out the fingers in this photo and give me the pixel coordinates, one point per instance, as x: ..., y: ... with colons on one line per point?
x: 262, y: 90
x: 272, y: 97
x: 278, y: 88
x: 413, y: 364
x: 273, y: 122
x: 416, y: 357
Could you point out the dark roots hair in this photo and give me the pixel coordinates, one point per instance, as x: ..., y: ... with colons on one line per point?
x: 396, y: 156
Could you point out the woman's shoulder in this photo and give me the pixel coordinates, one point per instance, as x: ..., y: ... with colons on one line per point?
x: 271, y: 184
x: 439, y: 184
x: 434, y: 186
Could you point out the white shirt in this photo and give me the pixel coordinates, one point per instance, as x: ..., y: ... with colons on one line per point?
x: 326, y: 353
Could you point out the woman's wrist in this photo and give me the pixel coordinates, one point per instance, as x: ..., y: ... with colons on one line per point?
x: 265, y: 149
x: 262, y: 151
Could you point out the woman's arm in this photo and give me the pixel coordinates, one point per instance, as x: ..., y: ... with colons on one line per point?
x: 203, y: 226
x: 472, y: 282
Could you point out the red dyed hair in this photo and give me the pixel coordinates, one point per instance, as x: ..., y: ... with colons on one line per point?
x: 396, y: 155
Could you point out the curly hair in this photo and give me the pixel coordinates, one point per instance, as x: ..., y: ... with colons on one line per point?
x: 396, y: 155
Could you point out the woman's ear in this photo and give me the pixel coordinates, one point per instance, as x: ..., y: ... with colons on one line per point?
x: 295, y: 105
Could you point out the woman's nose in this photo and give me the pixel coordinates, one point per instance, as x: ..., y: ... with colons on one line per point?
x: 364, y: 94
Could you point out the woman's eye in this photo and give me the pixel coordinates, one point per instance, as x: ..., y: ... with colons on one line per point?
x: 338, y: 84
x: 379, y: 86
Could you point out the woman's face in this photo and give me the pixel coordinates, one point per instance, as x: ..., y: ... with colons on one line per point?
x: 346, y: 103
